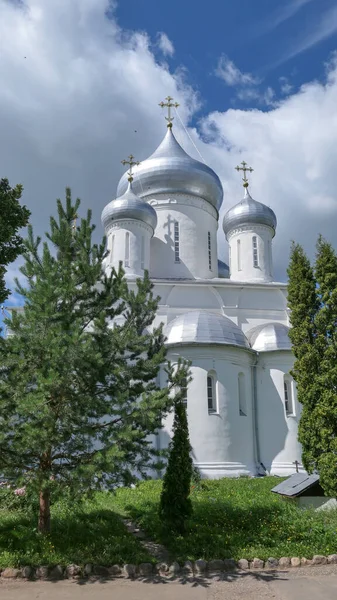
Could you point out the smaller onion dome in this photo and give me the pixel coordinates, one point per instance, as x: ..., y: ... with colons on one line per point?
x: 129, y: 206
x: 223, y: 270
x: 249, y: 212
x: 170, y: 170
x: 202, y: 327
x: 269, y: 337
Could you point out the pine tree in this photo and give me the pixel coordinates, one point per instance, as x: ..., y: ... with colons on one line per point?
x: 175, y: 503
x: 78, y: 391
x: 13, y: 217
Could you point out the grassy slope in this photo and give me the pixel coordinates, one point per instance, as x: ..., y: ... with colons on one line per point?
x: 232, y: 519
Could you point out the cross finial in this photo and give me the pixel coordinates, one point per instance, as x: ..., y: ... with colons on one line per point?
x: 169, y: 104
x: 244, y: 168
x: 131, y: 164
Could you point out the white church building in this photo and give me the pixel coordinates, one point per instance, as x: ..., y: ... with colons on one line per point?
x: 231, y: 322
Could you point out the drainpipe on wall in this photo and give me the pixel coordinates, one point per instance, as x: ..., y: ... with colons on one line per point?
x: 256, y: 436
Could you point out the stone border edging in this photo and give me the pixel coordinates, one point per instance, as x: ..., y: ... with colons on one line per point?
x: 200, y: 568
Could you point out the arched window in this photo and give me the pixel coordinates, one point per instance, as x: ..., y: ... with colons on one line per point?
x: 242, y: 395
x: 112, y: 248
x: 211, y: 392
x: 229, y: 259
x: 176, y: 242
x: 288, y: 396
x: 255, y: 254
x: 142, y: 253
x: 270, y: 258
x: 238, y: 254
x: 209, y: 251
x: 127, y: 250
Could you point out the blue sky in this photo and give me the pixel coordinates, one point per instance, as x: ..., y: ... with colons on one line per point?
x: 256, y: 80
x: 280, y: 43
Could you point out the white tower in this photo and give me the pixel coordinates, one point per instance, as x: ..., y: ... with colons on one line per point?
x: 187, y: 195
x: 249, y: 228
x: 129, y: 225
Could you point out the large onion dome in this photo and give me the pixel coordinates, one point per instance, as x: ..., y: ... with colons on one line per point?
x: 269, y: 337
x: 129, y: 206
x: 170, y: 170
x: 249, y: 212
x: 202, y: 327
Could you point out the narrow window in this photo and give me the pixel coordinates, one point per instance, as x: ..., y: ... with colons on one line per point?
x: 255, y: 257
x: 112, y: 248
x: 209, y: 251
x: 184, y: 392
x: 270, y: 259
x: 230, y: 258
x: 127, y: 250
x: 176, y: 242
x: 211, y: 393
x: 288, y: 398
x: 142, y: 253
x: 238, y: 246
x: 242, y: 395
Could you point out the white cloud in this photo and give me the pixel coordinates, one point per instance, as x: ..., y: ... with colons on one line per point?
x: 165, y: 44
x: 231, y: 75
x: 86, y: 96
x: 285, y: 86
x: 323, y: 27
x: 293, y: 150
x: 284, y: 12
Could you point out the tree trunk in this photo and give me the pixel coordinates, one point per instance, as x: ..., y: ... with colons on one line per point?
x: 44, y: 512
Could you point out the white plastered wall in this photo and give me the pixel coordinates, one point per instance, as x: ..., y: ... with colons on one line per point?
x: 137, y: 258
x: 242, y: 257
x: 222, y: 442
x: 196, y: 218
x: 279, y: 446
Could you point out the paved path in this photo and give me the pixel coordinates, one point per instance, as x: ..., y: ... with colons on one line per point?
x: 316, y: 583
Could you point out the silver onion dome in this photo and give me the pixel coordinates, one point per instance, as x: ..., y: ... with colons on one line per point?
x: 202, y: 327
x: 170, y: 170
x: 269, y: 337
x: 129, y: 206
x: 248, y: 212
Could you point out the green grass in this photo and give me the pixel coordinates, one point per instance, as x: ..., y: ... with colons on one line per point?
x: 232, y: 519
x: 89, y: 533
x: 236, y: 518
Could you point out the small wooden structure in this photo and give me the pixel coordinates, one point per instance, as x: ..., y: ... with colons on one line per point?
x: 306, y: 491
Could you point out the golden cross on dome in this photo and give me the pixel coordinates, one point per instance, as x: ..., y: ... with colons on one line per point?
x: 169, y: 104
x: 244, y: 168
x: 132, y: 163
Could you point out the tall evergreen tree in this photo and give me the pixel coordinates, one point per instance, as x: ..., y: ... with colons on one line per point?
x: 312, y: 298
x: 325, y: 411
x: 13, y: 217
x: 302, y: 301
x: 78, y: 391
x: 175, y: 503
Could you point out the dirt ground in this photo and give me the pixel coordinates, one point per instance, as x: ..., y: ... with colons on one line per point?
x: 310, y: 583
